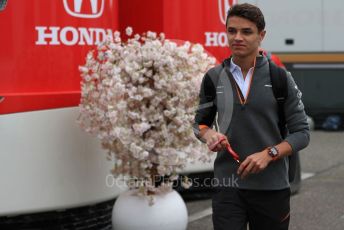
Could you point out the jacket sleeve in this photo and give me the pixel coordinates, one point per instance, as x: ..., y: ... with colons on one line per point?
x: 206, y: 111
x: 296, y: 118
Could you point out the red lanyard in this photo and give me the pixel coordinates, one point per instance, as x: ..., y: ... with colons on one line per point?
x: 243, y: 101
x: 229, y: 149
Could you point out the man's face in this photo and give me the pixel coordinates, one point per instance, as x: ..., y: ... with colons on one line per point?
x: 243, y: 36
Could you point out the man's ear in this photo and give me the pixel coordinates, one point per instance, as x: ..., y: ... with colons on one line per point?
x: 262, y: 35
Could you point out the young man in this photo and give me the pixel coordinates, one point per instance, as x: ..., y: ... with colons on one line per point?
x: 246, y: 112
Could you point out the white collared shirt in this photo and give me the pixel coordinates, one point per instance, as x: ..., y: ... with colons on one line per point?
x: 239, y: 78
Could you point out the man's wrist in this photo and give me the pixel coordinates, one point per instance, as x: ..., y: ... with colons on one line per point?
x: 202, y: 132
x: 273, y: 152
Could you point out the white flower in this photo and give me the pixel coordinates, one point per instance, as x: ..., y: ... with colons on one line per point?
x: 186, y: 183
x: 133, y: 115
x: 121, y: 105
x: 173, y: 177
x: 113, y: 116
x: 139, y: 129
x: 83, y: 69
x: 129, y: 31
x: 139, y: 98
x: 117, y: 34
x: 187, y: 45
x: 198, y: 48
x: 144, y: 154
x: 117, y: 39
x: 151, y: 34
x: 162, y: 36
x: 137, y: 37
x: 149, y: 144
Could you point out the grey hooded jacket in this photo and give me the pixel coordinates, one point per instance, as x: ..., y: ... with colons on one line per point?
x: 251, y: 128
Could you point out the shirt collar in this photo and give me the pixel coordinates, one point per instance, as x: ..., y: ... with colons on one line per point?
x: 233, y: 67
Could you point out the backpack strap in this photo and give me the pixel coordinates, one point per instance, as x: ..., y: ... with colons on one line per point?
x: 278, y: 77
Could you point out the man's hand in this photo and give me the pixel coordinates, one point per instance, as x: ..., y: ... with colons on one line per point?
x: 254, y: 163
x: 212, y: 139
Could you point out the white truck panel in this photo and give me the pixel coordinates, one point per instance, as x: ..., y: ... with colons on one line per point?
x: 300, y: 21
x: 47, y: 162
x: 333, y: 25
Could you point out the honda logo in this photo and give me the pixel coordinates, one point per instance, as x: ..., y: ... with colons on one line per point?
x: 224, y: 6
x: 84, y: 8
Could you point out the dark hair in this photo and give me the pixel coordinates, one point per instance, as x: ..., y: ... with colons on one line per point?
x: 249, y: 12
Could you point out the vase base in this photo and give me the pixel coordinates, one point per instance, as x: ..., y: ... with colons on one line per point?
x: 133, y: 212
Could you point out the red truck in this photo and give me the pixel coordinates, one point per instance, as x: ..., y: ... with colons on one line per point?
x: 47, y: 163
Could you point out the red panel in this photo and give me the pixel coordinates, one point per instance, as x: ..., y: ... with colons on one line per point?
x: 192, y: 20
x: 28, y: 67
x: 142, y: 15
x: 13, y: 103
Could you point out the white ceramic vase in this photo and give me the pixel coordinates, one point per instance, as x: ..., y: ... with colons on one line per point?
x: 132, y: 212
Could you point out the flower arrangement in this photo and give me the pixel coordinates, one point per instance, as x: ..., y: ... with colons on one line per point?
x: 139, y: 98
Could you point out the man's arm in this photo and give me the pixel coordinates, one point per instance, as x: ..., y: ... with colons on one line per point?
x: 205, y: 116
x: 296, y: 118
x: 206, y: 111
x: 297, y: 139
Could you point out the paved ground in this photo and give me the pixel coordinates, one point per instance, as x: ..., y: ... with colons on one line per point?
x: 320, y: 203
